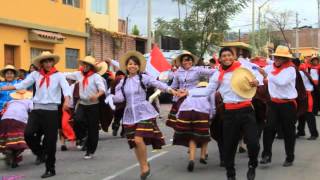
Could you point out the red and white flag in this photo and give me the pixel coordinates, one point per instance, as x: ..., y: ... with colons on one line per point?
x: 157, y: 62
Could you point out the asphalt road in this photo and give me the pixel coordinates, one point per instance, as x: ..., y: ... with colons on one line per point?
x: 114, y: 161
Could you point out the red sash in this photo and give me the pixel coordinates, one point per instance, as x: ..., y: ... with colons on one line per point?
x: 240, y: 105
x: 283, y: 101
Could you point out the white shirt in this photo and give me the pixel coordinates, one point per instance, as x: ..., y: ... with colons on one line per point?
x: 282, y: 85
x: 44, y: 94
x: 228, y: 95
x: 18, y: 110
x: 314, y: 74
x: 306, y: 82
x: 95, y: 84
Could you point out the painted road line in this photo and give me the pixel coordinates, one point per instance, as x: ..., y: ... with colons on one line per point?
x: 133, y: 166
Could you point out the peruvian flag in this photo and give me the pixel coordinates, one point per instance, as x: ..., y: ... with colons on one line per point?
x: 157, y: 62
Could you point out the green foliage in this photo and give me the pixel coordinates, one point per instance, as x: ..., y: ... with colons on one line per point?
x: 204, y: 26
x: 135, y: 30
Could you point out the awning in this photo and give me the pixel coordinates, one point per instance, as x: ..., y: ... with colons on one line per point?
x: 46, y: 36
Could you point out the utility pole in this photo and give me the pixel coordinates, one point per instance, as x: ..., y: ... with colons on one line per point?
x: 149, y: 44
x: 297, y: 33
x: 318, y: 13
x: 253, y: 26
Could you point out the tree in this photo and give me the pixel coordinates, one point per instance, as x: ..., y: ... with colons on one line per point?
x: 180, y: 2
x: 205, y: 24
x: 135, y: 30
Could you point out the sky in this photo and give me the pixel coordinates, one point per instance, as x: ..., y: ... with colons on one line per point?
x: 136, y: 11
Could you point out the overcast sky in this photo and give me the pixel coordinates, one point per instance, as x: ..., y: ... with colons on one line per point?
x: 136, y: 10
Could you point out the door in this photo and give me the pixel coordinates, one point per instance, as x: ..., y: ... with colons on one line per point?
x: 9, y: 55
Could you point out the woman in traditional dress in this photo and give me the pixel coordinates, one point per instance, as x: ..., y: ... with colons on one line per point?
x: 10, y: 74
x: 186, y: 77
x: 12, y: 126
x: 139, y: 120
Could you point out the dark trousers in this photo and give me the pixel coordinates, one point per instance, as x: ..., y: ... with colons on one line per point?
x: 118, y: 114
x: 310, y: 118
x: 87, y: 122
x: 43, y: 122
x: 285, y: 115
x: 236, y: 122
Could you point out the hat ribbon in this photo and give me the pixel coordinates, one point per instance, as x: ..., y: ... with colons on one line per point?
x: 46, y: 76
x: 233, y: 67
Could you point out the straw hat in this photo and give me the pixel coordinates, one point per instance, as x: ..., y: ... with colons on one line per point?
x: 90, y: 60
x: 314, y: 57
x: 8, y: 67
x: 203, y: 84
x: 102, y: 67
x: 283, y: 51
x: 45, y: 55
x: 129, y: 54
x: 178, y: 58
x: 19, y: 95
x: 240, y: 83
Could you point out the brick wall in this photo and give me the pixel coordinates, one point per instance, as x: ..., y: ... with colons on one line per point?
x: 102, y: 45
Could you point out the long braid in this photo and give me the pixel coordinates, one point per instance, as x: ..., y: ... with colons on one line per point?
x: 122, y: 87
x: 141, y: 83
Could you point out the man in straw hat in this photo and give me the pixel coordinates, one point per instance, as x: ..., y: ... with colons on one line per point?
x: 281, y: 77
x: 236, y: 82
x: 45, y: 116
x: 91, y: 88
x: 12, y: 126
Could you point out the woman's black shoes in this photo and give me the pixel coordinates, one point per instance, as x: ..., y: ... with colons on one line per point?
x: 190, y: 166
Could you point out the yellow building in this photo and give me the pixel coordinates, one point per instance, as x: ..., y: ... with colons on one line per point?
x: 103, y: 14
x: 28, y: 27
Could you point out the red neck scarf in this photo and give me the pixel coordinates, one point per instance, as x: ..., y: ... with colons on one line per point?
x: 86, y: 75
x: 233, y: 67
x: 46, y: 76
x: 277, y: 70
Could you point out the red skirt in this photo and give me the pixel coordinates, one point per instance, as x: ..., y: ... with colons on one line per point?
x: 12, y: 135
x: 172, y: 119
x: 191, y: 125
x: 148, y: 130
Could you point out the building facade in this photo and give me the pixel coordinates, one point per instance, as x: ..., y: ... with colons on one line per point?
x: 108, y: 36
x: 29, y: 27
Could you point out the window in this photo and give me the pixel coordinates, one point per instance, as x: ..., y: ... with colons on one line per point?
x: 72, y: 56
x: 36, y: 52
x: 74, y: 3
x: 99, y: 6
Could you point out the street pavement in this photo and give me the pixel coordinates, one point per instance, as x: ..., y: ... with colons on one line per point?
x: 114, y: 161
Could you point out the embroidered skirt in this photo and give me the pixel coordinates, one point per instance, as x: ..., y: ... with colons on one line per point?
x: 12, y: 135
x: 172, y: 119
x: 148, y: 130
x: 191, y: 125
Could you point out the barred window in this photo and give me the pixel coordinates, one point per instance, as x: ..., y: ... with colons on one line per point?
x: 72, y: 56
x: 74, y: 3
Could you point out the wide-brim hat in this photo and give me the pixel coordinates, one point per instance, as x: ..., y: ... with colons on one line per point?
x: 90, y: 60
x: 8, y: 67
x: 102, y: 67
x: 178, y: 58
x: 240, y: 83
x: 136, y: 54
x: 45, y: 55
x: 21, y: 95
x: 283, y: 51
x: 203, y: 84
x: 314, y: 57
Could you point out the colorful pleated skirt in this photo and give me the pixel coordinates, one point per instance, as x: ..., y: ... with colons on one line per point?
x: 172, y: 119
x: 191, y: 125
x: 148, y: 130
x: 12, y: 135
